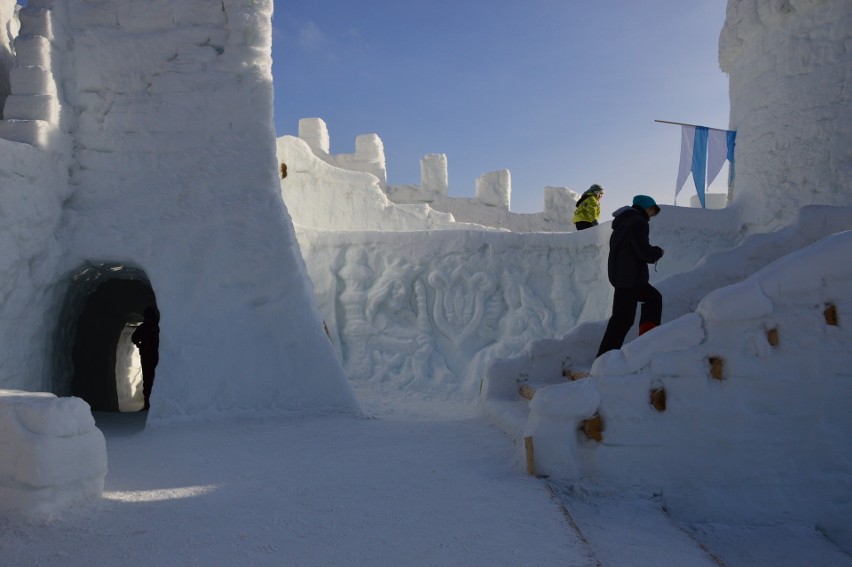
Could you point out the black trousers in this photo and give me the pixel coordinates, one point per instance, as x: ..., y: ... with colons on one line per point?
x: 624, y: 313
x: 583, y: 225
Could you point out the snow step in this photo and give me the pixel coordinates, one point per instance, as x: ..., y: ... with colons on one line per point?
x: 33, y: 132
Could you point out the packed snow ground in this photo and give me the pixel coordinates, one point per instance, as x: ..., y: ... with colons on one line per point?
x: 416, y: 483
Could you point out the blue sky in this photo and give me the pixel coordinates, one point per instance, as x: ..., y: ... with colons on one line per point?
x: 560, y: 92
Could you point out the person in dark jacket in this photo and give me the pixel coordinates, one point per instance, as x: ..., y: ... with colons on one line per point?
x: 630, y: 252
x: 146, y: 337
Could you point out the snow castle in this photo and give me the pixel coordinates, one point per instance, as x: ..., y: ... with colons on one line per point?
x: 124, y: 182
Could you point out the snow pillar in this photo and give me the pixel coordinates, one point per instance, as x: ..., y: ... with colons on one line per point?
x: 315, y: 132
x: 433, y: 174
x: 559, y: 204
x: 494, y: 188
x: 370, y: 153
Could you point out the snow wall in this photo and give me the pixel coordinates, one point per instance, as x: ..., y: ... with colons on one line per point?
x: 790, y: 68
x: 135, y: 176
x: 428, y: 310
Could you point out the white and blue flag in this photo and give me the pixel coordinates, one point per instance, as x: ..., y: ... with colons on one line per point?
x: 703, y: 151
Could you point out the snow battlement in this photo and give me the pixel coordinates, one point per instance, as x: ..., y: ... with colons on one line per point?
x: 489, y: 207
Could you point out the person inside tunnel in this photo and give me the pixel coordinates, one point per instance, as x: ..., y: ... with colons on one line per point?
x: 146, y: 337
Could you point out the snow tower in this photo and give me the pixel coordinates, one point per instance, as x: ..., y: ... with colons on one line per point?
x: 138, y: 167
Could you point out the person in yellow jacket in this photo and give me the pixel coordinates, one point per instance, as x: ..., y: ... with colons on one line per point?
x: 588, y: 208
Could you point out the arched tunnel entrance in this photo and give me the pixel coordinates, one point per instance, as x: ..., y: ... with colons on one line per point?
x: 103, y: 305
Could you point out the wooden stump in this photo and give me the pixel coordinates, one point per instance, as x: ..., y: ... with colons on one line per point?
x: 658, y: 399
x: 529, y: 449
x: 772, y: 337
x: 593, y: 427
x: 526, y: 391
x: 717, y: 367
x: 830, y: 314
x: 574, y: 374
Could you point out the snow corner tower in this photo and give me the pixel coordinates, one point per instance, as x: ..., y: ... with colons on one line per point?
x: 138, y: 168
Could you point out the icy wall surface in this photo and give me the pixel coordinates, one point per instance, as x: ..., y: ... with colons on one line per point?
x: 790, y: 67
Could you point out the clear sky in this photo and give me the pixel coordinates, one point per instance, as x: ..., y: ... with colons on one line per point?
x: 560, y: 92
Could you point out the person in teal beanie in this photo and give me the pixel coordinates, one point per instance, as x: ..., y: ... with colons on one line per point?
x: 630, y: 252
x: 588, y: 208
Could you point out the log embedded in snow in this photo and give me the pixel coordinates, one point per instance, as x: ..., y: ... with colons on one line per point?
x: 574, y: 374
x: 830, y: 314
x: 717, y: 367
x: 526, y: 391
x: 658, y: 399
x: 593, y: 427
x: 529, y: 449
x: 772, y: 337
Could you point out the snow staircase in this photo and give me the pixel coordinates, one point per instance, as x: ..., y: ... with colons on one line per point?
x: 31, y: 112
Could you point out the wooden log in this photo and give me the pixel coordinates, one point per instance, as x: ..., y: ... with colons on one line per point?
x: 529, y: 449
x: 526, y: 391
x: 593, y: 427
x: 772, y: 337
x: 569, y: 374
x: 830, y: 314
x: 658, y: 399
x: 717, y: 367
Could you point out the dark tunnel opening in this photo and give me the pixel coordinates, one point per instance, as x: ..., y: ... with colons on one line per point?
x: 110, y: 306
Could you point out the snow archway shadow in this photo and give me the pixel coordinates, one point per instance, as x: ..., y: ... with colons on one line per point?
x: 95, y: 359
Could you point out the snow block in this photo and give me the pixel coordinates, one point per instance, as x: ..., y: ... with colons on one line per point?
x: 32, y: 51
x: 33, y: 132
x: 737, y: 302
x: 31, y: 81
x: 680, y: 334
x: 32, y: 107
x: 433, y: 174
x: 53, y: 455
x: 555, y: 416
x: 494, y: 188
x: 36, y: 21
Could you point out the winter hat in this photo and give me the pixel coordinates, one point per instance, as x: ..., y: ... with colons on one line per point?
x: 646, y: 202
x: 595, y: 189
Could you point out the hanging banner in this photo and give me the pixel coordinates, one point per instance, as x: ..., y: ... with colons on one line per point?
x: 686, y: 143
x: 699, y: 162
x: 703, y: 152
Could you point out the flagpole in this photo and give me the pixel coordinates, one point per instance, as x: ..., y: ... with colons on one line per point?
x: 693, y: 125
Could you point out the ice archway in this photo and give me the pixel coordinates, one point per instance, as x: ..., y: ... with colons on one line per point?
x: 101, y: 301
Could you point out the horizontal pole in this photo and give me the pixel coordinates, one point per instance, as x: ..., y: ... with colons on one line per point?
x: 693, y: 125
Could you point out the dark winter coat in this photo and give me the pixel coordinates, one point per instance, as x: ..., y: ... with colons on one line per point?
x: 630, y: 252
